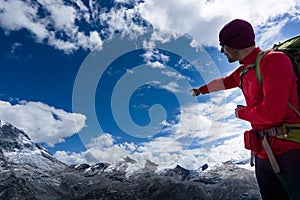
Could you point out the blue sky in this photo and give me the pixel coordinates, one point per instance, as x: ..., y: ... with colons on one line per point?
x: 96, y: 81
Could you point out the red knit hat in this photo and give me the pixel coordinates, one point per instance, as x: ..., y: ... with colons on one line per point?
x: 237, y: 34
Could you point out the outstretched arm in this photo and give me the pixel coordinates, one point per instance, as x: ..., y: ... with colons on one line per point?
x: 231, y: 81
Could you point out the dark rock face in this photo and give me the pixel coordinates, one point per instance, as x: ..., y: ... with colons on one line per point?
x: 29, y: 172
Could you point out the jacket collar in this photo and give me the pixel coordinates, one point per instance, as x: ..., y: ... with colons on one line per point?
x: 251, y: 57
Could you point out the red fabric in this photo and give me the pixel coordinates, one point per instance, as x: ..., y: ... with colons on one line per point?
x: 267, y: 104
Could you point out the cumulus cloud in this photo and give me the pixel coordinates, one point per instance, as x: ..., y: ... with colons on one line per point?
x: 59, y: 26
x: 16, y: 15
x: 203, y: 19
x: 203, y: 137
x: 42, y: 122
x: 101, y: 148
x: 56, y: 27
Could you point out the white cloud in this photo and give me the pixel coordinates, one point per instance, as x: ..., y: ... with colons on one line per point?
x: 271, y: 30
x: 100, y: 149
x: 152, y: 54
x: 122, y: 1
x: 95, y: 40
x: 203, y: 19
x: 122, y: 20
x: 70, y: 158
x: 57, y: 26
x: 156, y: 64
x: 205, y: 136
x: 80, y: 4
x: 16, y: 15
x: 62, y: 16
x: 42, y: 122
x: 173, y: 87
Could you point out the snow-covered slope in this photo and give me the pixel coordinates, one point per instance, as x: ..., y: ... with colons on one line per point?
x: 26, y: 168
x: 19, y: 150
x: 28, y: 171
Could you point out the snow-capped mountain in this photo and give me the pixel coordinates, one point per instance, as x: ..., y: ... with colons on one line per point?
x: 28, y: 171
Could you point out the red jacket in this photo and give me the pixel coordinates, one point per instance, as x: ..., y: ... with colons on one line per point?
x: 267, y: 104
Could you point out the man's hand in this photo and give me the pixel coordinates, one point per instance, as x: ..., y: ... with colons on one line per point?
x: 195, y: 91
x: 238, y: 107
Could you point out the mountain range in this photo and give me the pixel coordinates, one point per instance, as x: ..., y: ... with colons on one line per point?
x: 29, y: 172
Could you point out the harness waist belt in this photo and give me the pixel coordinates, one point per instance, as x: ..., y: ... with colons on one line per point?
x: 275, y: 131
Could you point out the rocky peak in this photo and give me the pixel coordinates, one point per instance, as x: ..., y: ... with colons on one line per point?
x: 13, y: 138
x: 28, y: 171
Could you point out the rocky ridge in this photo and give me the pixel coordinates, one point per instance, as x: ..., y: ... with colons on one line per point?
x: 28, y: 171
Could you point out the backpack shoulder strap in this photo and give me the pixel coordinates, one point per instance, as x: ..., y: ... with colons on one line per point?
x: 257, y: 64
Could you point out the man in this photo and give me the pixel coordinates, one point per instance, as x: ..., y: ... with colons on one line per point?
x: 266, y: 108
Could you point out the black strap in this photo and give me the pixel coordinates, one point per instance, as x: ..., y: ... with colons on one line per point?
x: 245, y: 71
x: 272, y: 132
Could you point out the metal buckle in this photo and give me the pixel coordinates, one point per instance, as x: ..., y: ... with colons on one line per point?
x: 273, y: 131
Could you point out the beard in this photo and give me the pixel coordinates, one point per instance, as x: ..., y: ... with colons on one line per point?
x: 232, y: 56
x: 230, y: 59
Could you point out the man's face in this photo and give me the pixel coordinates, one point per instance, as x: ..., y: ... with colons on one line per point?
x: 230, y: 53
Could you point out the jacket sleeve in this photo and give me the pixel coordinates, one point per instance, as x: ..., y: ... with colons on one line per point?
x: 277, y: 79
x: 228, y: 82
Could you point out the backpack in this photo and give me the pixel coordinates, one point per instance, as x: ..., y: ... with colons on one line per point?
x: 291, y: 131
x: 291, y: 48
